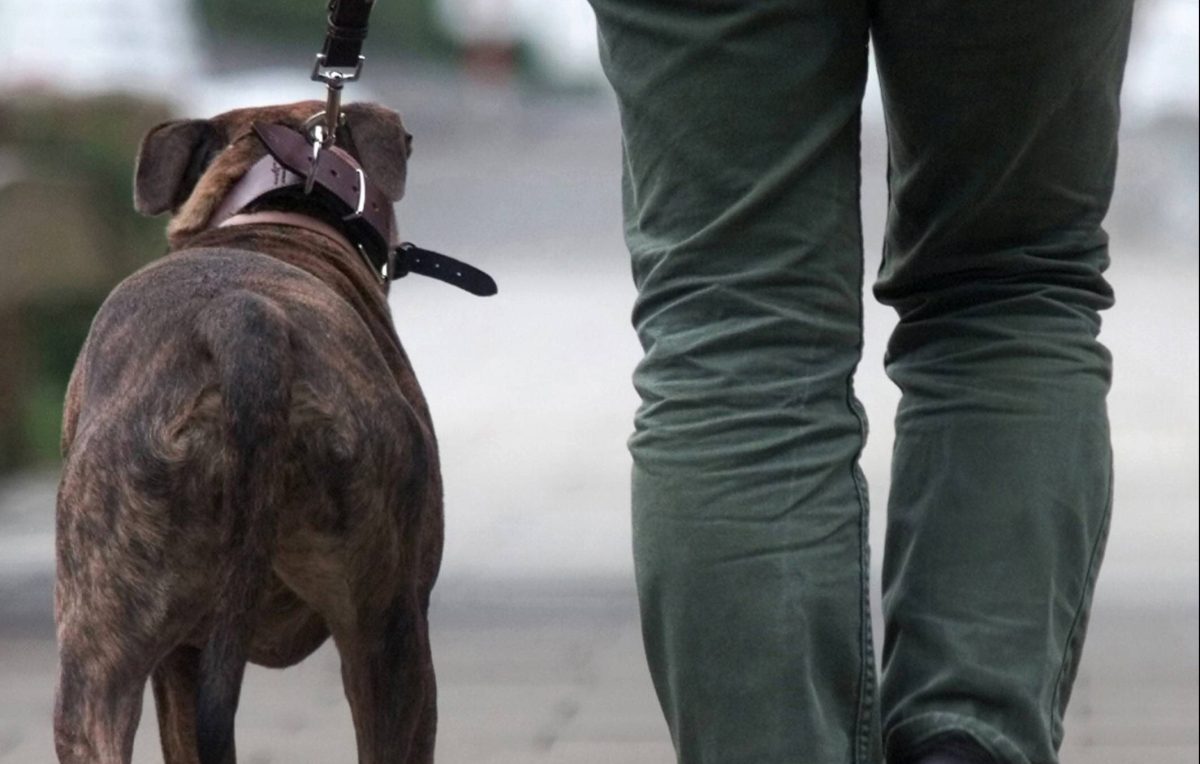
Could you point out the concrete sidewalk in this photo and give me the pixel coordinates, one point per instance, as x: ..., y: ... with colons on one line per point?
x: 544, y: 671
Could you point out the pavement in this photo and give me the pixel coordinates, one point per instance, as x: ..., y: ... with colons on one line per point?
x: 535, y: 627
x: 549, y: 672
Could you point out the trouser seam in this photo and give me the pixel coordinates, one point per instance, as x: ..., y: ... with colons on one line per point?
x: 862, y: 723
x: 1069, y: 655
x: 865, y: 684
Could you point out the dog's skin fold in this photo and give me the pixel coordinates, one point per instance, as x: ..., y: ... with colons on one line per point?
x: 249, y: 468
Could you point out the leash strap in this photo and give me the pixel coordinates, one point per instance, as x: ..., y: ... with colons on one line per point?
x: 340, y: 61
x: 346, y: 33
x: 409, y: 258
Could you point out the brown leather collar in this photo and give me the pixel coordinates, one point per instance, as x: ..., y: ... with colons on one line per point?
x: 368, y: 211
x: 340, y: 179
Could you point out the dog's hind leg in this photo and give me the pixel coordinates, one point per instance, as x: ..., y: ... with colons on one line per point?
x: 112, y: 611
x: 387, y: 670
x: 175, y: 680
x: 423, y: 742
x: 98, y: 702
x: 426, y: 734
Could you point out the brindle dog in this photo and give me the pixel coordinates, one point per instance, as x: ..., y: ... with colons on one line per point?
x: 250, y: 468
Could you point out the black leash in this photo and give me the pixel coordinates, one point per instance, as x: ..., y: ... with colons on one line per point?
x: 347, y: 31
x: 341, y: 61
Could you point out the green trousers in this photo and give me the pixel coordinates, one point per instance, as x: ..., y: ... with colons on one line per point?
x: 741, y: 126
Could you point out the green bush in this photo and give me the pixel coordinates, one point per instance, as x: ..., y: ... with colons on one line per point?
x: 57, y: 329
x: 91, y: 141
x: 80, y: 152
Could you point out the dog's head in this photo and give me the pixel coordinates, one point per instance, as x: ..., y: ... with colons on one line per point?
x: 187, y: 166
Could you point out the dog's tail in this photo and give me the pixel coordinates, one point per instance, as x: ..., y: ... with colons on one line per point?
x: 249, y: 340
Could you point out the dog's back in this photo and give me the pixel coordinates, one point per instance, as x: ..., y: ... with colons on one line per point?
x: 217, y: 492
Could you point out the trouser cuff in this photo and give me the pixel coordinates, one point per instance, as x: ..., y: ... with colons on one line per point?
x: 952, y: 733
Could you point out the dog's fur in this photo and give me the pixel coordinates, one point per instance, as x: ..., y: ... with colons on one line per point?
x: 250, y: 468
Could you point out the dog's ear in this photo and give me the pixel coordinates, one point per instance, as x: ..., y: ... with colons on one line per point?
x: 382, y: 144
x: 171, y: 159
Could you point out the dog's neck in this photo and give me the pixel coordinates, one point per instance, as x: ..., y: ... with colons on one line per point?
x: 326, y: 257
x: 295, y: 219
x: 301, y: 240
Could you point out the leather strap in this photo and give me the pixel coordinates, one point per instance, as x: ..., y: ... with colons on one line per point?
x: 338, y: 176
x: 346, y: 33
x: 263, y: 177
x: 338, y: 173
x: 409, y: 258
x: 342, y: 180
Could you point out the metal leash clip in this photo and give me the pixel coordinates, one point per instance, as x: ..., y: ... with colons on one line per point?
x: 334, y: 77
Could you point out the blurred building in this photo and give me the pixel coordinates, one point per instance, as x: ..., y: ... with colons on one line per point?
x: 558, y: 36
x: 1163, y: 75
x: 96, y: 45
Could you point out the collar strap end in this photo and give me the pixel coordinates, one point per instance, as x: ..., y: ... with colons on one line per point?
x: 409, y: 258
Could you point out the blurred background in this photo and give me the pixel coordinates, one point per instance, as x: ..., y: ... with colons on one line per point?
x: 516, y: 169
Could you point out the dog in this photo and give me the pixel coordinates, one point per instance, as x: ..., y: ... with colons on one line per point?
x: 249, y: 462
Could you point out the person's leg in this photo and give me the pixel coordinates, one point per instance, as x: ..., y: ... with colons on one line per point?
x: 740, y: 123
x: 1002, y: 121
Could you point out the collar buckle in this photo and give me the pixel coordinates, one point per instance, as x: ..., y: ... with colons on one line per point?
x: 318, y: 141
x: 362, y: 196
